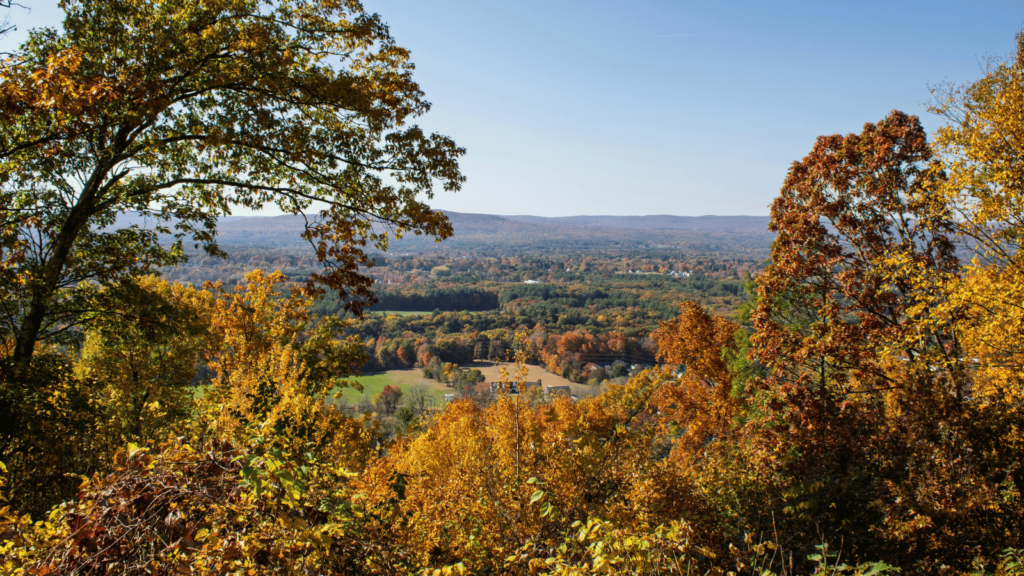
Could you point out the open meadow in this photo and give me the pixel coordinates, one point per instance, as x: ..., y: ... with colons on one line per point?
x: 373, y: 384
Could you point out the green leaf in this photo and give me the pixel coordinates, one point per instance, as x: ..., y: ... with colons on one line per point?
x: 546, y: 509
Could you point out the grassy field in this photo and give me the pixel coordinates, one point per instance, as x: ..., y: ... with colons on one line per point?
x: 404, y: 379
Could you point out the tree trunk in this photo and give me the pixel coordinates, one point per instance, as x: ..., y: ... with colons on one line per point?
x: 46, y: 286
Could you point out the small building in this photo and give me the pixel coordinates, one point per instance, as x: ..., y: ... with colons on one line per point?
x: 449, y: 398
x: 557, y: 390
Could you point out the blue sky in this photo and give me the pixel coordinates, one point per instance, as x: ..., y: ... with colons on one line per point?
x: 660, y: 107
x: 669, y: 107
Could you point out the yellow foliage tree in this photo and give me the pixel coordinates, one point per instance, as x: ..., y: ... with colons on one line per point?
x: 983, y: 145
x: 142, y: 343
x: 495, y: 489
x: 141, y: 355
x: 275, y: 368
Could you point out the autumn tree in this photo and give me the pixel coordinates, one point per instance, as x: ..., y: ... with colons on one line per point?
x: 389, y: 397
x: 700, y: 399
x: 263, y: 447
x: 140, y: 357
x: 495, y: 488
x: 130, y: 382
x: 826, y: 304
x: 868, y: 418
x: 177, y: 113
x: 272, y: 358
x: 983, y: 145
x: 849, y: 218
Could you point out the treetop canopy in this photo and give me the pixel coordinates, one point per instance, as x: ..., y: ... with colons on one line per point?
x: 181, y: 110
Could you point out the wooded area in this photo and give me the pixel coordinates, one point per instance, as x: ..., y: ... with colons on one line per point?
x: 860, y: 410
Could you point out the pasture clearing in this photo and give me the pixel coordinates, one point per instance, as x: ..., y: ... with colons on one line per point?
x: 404, y: 379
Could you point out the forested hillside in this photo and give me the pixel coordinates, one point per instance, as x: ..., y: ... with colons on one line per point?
x: 482, y: 301
x: 840, y: 393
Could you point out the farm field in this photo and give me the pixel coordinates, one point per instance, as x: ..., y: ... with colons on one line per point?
x: 406, y: 379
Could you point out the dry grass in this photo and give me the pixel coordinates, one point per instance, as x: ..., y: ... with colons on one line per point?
x: 492, y: 371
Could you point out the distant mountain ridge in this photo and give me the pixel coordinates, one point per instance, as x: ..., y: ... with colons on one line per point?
x: 495, y: 234
x: 653, y: 222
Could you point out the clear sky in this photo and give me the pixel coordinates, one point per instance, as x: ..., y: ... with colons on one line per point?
x: 669, y: 107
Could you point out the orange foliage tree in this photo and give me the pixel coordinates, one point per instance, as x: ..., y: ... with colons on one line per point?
x: 700, y: 399
x: 866, y: 417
